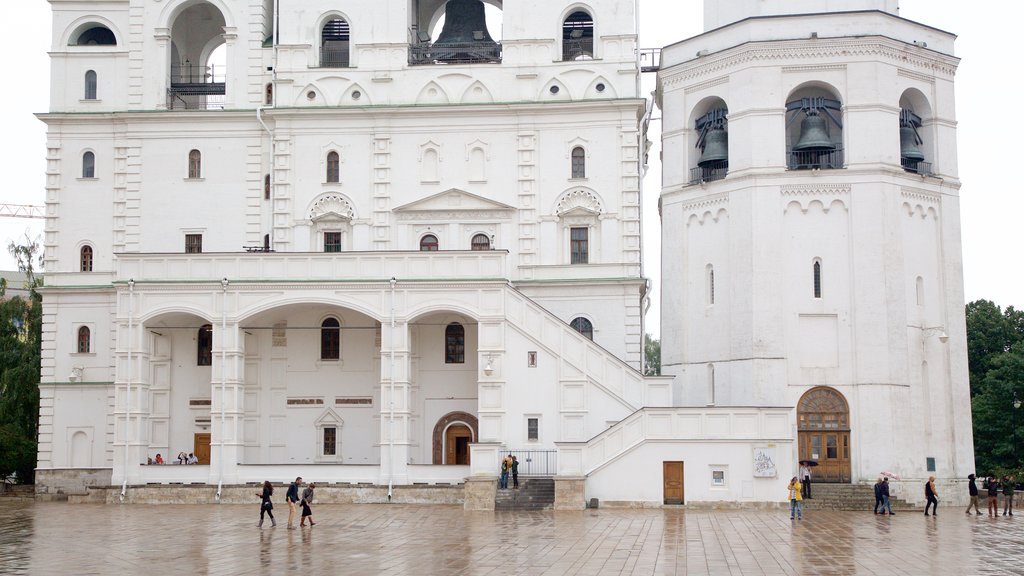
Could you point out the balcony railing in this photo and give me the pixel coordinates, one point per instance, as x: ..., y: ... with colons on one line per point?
x: 455, y: 53
x: 917, y: 167
x: 708, y: 173
x: 815, y: 159
x: 196, y: 88
x: 536, y: 462
x: 334, y: 58
x: 577, y: 49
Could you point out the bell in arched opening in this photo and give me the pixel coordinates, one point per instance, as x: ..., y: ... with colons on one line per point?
x: 464, y: 36
x: 813, y: 135
x: 716, y: 148
x: 909, y: 150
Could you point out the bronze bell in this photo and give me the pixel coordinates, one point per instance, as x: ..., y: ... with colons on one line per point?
x: 908, y: 145
x: 464, y: 23
x: 716, y: 147
x: 813, y: 137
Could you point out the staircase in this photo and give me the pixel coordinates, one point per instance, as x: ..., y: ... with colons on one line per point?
x: 12, y: 492
x: 533, y: 494
x: 850, y: 497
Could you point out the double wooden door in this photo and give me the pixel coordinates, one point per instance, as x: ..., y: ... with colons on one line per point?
x: 831, y: 450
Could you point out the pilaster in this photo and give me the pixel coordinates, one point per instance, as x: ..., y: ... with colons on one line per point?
x: 395, y: 404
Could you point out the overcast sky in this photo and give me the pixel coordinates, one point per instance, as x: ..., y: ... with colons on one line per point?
x: 988, y: 131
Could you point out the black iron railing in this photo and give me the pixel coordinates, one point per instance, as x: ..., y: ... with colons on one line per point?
x: 536, y: 462
x: 455, y: 53
x: 708, y: 173
x: 916, y: 166
x: 334, y: 58
x: 811, y: 159
x: 197, y: 88
x: 578, y: 49
x: 650, y: 59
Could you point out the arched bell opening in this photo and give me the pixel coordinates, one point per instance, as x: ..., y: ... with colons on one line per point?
x: 709, y: 155
x: 198, y: 68
x: 455, y: 31
x: 916, y: 133
x: 814, y: 129
x: 578, y: 36
x: 823, y: 430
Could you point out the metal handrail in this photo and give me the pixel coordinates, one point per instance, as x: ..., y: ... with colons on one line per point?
x: 815, y: 159
x: 455, y: 53
x: 708, y: 173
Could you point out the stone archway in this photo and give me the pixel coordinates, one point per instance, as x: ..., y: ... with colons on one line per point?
x: 446, y: 422
x: 823, y: 424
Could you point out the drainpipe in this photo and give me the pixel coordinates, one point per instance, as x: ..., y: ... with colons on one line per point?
x: 391, y: 397
x: 128, y: 392
x: 223, y: 381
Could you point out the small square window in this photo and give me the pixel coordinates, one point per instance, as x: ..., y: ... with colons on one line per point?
x: 531, y: 359
x: 332, y: 241
x: 193, y: 243
x: 718, y: 478
x: 533, y: 429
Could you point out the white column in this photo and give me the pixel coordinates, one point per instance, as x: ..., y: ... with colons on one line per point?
x: 395, y: 404
x: 131, y: 394
x: 226, y: 408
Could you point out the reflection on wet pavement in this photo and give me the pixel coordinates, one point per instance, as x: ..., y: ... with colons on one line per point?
x: 53, y: 538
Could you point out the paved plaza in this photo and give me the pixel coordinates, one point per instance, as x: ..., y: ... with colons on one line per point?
x: 55, y: 538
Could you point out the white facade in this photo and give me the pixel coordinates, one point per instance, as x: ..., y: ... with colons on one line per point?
x: 782, y: 274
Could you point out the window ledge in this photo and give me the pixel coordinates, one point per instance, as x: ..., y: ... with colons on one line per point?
x: 194, y: 179
x: 338, y: 183
x: 87, y: 179
x: 90, y: 101
x: 83, y: 354
x: 324, y: 363
x: 584, y: 179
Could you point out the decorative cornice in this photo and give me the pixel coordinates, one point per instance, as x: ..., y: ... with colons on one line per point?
x: 711, y: 201
x: 452, y: 215
x: 920, y: 195
x: 814, y: 68
x: 816, y: 190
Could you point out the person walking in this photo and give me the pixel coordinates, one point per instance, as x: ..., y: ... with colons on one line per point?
x: 1008, y: 486
x: 805, y: 479
x: 972, y: 490
x: 307, y: 499
x: 993, y: 496
x: 878, y: 495
x: 266, y: 506
x: 932, y: 496
x: 886, y: 504
x: 515, y: 473
x: 796, y: 505
x: 292, y: 498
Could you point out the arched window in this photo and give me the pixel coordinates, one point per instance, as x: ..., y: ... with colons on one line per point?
x: 817, y: 278
x: 711, y: 384
x: 334, y: 44
x: 195, y: 164
x: 333, y: 167
x: 583, y: 326
x: 83, y: 340
x: 579, y: 162
x: 919, y: 290
x: 204, y: 346
x: 266, y: 187
x: 88, y: 165
x: 90, y: 85
x: 481, y: 242
x: 98, y: 35
x: 454, y: 344
x: 578, y: 36
x: 268, y: 95
x: 86, y: 259
x: 710, y: 284
x: 428, y: 243
x: 330, y: 339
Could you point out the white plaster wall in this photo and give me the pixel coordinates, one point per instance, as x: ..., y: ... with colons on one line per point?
x: 719, y: 14
x: 82, y: 407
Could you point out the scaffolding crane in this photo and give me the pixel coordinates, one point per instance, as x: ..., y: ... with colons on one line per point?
x: 21, y: 211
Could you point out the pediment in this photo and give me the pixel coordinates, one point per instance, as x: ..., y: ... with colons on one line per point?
x: 453, y: 200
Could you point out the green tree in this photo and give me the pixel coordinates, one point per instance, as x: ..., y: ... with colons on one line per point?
x: 20, y: 346
x: 652, y: 356
x: 995, y: 346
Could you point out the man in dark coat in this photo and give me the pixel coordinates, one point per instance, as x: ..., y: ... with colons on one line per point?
x: 972, y: 490
x: 292, y: 498
x: 878, y: 495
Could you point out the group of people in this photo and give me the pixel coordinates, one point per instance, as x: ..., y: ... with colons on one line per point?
x: 183, y: 459
x: 509, y: 465
x: 292, y: 498
x: 992, y: 487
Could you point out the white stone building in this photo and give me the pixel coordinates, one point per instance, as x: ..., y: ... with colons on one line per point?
x: 350, y: 244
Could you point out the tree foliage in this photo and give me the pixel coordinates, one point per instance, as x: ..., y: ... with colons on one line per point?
x: 652, y: 356
x: 995, y: 346
x: 20, y: 345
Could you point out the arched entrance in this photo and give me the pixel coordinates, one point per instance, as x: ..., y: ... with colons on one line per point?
x: 823, y: 424
x: 452, y: 436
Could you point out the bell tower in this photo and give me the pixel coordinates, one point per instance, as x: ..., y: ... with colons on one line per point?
x: 811, y: 231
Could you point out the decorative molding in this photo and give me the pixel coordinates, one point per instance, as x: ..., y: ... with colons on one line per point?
x: 579, y: 199
x: 816, y: 190
x: 814, y: 68
x: 332, y: 204
x: 703, y: 203
x: 920, y: 195
x: 452, y: 215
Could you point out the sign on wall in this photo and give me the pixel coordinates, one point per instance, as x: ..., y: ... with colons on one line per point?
x: 764, y: 463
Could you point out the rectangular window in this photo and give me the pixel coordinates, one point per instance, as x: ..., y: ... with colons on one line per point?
x: 531, y: 359
x: 718, y: 477
x: 930, y: 463
x: 332, y: 241
x: 330, y: 441
x: 193, y: 243
x: 533, y: 429
x: 578, y: 245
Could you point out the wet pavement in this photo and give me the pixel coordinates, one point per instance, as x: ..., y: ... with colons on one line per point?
x: 55, y: 538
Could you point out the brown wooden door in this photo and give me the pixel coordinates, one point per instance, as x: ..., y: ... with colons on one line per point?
x: 673, y: 482
x: 831, y: 450
x: 201, y: 448
x: 456, y: 444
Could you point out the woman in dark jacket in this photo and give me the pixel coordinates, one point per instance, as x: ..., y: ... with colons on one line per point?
x: 266, y: 506
x: 993, y: 496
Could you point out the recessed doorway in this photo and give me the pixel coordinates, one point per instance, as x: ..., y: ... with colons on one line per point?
x: 672, y: 479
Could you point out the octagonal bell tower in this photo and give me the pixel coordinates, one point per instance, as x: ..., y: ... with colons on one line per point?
x: 811, y: 232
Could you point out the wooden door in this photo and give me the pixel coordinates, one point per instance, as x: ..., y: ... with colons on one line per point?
x: 831, y: 450
x: 672, y: 475
x: 456, y: 444
x: 201, y: 448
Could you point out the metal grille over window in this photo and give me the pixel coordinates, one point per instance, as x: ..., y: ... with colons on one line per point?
x: 332, y: 241
x: 193, y: 243
x: 579, y: 163
x: 428, y: 243
x: 334, y: 44
x: 86, y: 259
x: 532, y: 429
x: 481, y: 242
x: 333, y: 167
x: 583, y: 326
x: 578, y: 37
x: 454, y: 344
x: 578, y: 245
x: 330, y: 441
x: 83, y: 340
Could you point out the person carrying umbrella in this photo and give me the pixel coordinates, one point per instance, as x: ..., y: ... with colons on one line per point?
x: 805, y: 477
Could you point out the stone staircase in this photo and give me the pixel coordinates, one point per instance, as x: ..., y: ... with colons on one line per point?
x: 17, y: 492
x: 850, y: 497
x: 533, y: 494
